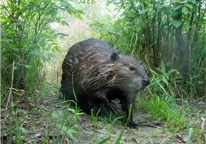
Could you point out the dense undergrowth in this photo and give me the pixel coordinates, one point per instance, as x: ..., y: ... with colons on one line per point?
x: 168, y: 38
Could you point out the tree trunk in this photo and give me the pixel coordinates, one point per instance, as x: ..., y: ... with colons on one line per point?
x: 184, y: 53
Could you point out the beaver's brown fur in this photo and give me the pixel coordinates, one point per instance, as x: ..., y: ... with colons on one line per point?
x: 100, y: 75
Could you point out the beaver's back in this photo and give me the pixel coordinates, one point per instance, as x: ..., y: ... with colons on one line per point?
x: 75, y: 56
x: 79, y: 50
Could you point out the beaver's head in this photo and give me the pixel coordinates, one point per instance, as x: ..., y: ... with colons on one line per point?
x: 129, y: 76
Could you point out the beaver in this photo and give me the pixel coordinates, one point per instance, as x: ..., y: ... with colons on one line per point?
x: 93, y: 73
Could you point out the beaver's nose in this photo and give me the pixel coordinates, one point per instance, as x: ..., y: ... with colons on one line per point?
x: 146, y: 81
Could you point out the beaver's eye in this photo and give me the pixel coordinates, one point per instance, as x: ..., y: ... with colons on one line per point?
x: 132, y: 68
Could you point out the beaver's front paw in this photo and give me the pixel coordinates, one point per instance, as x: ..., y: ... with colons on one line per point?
x: 131, y: 124
x: 112, y: 108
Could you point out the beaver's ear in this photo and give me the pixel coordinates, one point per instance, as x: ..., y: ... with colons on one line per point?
x: 114, y: 57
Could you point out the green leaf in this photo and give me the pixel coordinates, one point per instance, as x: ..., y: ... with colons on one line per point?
x: 79, y: 11
x: 165, y: 11
x: 113, y: 1
x: 163, y: 67
x: 117, y: 22
x: 72, y: 110
x: 57, y: 48
x: 159, y: 6
x: 14, y: 68
x: 189, y: 136
x: 54, y: 44
x: 42, y: 43
x: 58, y: 19
x: 12, y: 46
x: 104, y: 141
x: 184, y: 1
x: 49, y: 47
x: 187, y: 23
x: 53, y: 50
x: 29, y: 136
x: 54, y: 116
x: 53, y: 12
x: 34, y: 108
x: 171, y: 71
x: 143, y: 11
x: 108, y: 3
x: 121, y: 134
x: 189, y: 6
x: 78, y: 16
x: 184, y: 10
x: 12, y: 104
x: 45, y: 140
x: 178, y: 7
x: 27, y: 66
x: 151, y: 12
x: 6, y: 40
x: 68, y: 131
x: 138, y: 28
x: 49, y: 91
x: 48, y: 116
x: 196, y: 131
x: 18, y: 89
x: 62, y: 34
x: 200, y: 82
x: 168, y: 63
x: 6, y: 19
x: 79, y: 113
x: 64, y: 23
x: 176, y: 23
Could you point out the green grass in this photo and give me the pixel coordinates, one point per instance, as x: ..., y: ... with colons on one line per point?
x: 161, y: 103
x: 161, y: 108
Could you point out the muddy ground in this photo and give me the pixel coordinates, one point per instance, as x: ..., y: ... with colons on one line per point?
x: 35, y: 122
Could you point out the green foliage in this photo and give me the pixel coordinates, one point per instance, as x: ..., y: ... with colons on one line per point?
x: 160, y: 81
x: 94, y: 116
x: 28, y: 39
x: 168, y: 37
x: 163, y: 99
x: 44, y: 87
x: 105, y: 140
x: 198, y: 133
x: 60, y: 123
x: 121, y: 134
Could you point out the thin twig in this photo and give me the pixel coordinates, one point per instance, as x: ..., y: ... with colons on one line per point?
x: 41, y: 109
x: 202, y: 132
x: 11, y: 86
x: 67, y: 140
x: 3, y: 122
x: 165, y: 139
x: 18, y: 99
